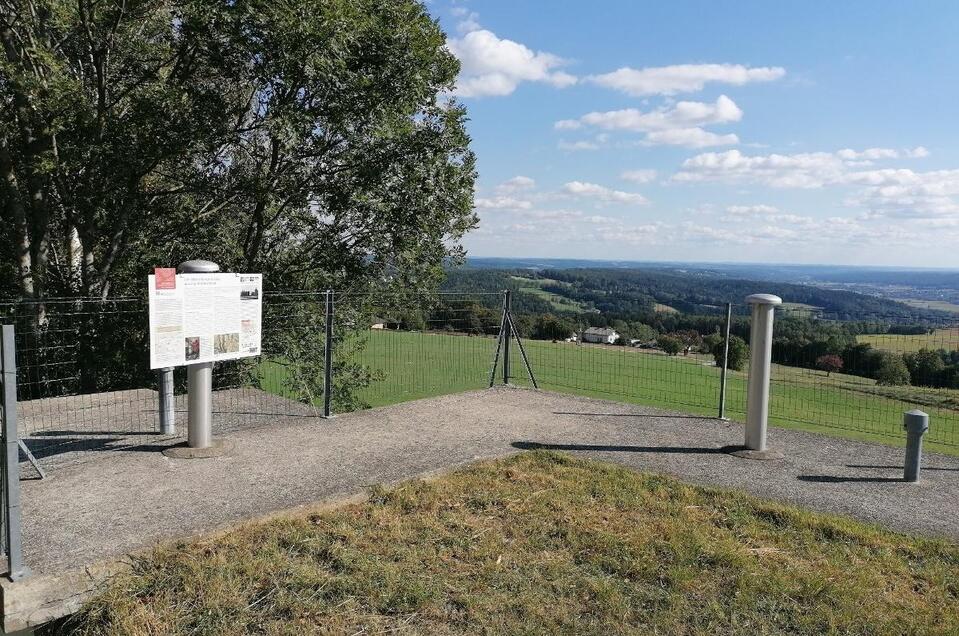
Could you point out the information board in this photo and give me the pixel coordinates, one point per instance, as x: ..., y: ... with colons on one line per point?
x: 198, y: 318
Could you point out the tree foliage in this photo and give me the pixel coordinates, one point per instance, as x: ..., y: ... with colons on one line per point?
x: 305, y: 140
x: 738, y: 353
x: 829, y: 362
x: 550, y: 327
x: 670, y: 345
x: 891, y: 370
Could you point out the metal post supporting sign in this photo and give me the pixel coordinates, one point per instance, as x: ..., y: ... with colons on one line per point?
x: 199, y: 377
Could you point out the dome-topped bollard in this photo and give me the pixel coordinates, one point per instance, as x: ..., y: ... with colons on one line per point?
x: 916, y: 423
x: 760, y: 371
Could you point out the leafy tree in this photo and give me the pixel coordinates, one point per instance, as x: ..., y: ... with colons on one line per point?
x: 689, y: 338
x: 829, y: 363
x: 302, y: 140
x: 669, y: 344
x: 549, y: 327
x: 642, y: 331
x: 925, y: 367
x: 738, y: 353
x: 709, y: 342
x: 892, y: 370
x: 311, y: 141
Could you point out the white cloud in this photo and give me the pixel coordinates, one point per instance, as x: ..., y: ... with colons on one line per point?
x: 690, y: 138
x: 681, y: 115
x: 891, y: 192
x: 767, y: 213
x: 679, y: 124
x: 468, y: 20
x: 803, y: 170
x: 873, y: 154
x: 577, y: 145
x: 683, y: 78
x: 492, y: 66
x: 603, y: 194
x: 736, y: 236
x: 868, y: 154
x: 567, y: 124
x: 751, y: 210
x: 906, y: 193
x: 638, y: 176
x: 516, y: 184
x: 502, y: 203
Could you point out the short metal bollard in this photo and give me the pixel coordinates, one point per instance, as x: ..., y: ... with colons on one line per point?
x: 916, y: 423
x: 167, y: 404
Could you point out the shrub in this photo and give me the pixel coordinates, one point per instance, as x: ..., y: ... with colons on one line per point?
x: 738, y: 353
x: 892, y: 370
x: 925, y: 367
x: 549, y: 327
x: 710, y: 341
x: 669, y: 344
x: 829, y: 363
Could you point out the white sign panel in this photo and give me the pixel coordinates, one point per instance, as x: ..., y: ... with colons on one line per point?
x: 204, y: 317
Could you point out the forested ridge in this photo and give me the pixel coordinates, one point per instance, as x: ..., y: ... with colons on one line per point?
x: 626, y: 292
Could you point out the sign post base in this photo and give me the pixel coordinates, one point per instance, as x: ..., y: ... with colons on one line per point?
x: 218, y: 448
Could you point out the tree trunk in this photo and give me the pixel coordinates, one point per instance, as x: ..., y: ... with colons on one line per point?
x: 23, y: 258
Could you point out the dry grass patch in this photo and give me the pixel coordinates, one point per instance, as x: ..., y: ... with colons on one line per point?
x: 541, y: 543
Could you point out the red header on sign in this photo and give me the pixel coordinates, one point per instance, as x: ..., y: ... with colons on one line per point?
x: 165, y: 277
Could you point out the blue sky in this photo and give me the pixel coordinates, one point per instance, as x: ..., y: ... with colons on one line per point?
x: 814, y: 132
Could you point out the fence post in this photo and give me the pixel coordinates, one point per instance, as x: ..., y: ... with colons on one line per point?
x: 760, y: 361
x: 328, y: 359
x: 725, y: 371
x: 11, y: 458
x: 507, y: 324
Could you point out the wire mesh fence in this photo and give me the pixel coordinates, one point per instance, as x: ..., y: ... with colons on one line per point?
x: 861, y: 375
x: 84, y: 381
x: 420, y: 346
x: 621, y: 360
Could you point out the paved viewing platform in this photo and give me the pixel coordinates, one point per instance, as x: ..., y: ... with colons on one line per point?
x: 85, y: 516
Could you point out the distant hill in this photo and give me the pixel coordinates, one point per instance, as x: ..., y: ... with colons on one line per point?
x: 629, y: 290
x: 923, y: 277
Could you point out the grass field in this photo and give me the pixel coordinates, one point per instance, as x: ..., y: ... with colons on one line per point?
x: 940, y: 305
x: 947, y: 339
x: 534, y: 286
x: 419, y: 365
x: 540, y: 543
x: 800, y: 309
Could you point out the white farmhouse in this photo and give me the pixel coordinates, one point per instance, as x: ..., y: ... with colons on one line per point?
x: 600, y: 335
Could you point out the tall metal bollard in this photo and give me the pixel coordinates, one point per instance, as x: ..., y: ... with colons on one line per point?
x: 757, y: 400
x: 916, y: 423
x: 199, y: 379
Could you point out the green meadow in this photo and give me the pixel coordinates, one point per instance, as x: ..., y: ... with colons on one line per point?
x: 947, y: 339
x: 416, y: 365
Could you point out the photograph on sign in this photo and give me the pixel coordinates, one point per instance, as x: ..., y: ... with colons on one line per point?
x: 198, y: 318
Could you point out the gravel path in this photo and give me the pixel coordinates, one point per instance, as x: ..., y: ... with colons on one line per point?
x: 118, y: 502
